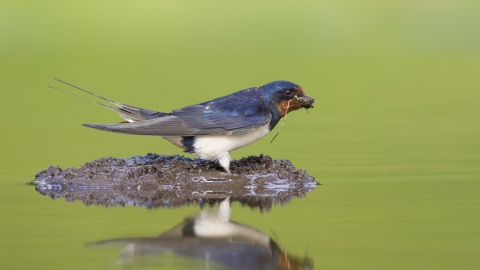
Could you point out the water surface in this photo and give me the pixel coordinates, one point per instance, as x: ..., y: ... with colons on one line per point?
x: 393, y: 138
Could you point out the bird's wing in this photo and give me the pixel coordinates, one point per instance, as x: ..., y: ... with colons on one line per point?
x: 239, y: 113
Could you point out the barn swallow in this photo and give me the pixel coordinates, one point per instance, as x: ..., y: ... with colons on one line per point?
x: 210, y: 130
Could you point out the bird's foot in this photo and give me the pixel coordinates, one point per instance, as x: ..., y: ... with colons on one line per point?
x: 224, y: 160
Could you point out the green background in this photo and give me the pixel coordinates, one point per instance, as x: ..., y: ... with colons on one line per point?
x: 394, y: 135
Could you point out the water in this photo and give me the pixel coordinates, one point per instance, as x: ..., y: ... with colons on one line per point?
x: 393, y: 137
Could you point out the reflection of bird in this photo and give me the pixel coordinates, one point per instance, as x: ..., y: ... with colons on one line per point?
x: 213, y: 238
x: 212, y: 129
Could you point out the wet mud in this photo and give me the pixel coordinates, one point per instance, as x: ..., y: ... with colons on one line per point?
x: 173, y: 181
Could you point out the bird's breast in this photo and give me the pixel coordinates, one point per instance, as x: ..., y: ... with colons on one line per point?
x: 212, y: 146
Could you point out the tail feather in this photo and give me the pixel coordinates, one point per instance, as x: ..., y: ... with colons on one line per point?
x: 127, y: 112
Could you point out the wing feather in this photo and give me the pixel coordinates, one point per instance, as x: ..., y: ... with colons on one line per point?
x: 239, y: 113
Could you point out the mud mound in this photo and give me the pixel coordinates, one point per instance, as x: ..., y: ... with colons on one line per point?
x: 172, y: 181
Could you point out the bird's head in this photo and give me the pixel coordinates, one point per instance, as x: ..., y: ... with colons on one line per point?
x: 285, y: 96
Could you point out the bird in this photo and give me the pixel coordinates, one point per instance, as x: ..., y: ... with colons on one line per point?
x: 212, y: 129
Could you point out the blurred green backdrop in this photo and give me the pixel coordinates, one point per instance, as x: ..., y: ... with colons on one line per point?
x: 394, y: 136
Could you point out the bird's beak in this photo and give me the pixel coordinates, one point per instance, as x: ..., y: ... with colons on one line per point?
x: 305, y: 101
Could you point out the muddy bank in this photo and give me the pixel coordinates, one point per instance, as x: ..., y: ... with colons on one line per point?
x: 172, y: 181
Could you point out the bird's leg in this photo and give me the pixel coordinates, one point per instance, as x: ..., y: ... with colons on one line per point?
x: 224, y: 160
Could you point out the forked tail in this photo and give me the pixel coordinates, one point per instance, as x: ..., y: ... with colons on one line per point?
x: 127, y: 112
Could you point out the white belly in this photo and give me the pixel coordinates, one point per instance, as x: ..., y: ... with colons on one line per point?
x: 214, y: 146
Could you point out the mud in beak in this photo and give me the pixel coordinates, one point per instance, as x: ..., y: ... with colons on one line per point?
x: 305, y: 101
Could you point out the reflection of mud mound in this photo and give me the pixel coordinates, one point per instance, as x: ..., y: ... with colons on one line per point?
x: 169, y: 181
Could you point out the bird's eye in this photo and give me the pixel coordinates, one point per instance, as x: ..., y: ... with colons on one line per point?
x: 287, y: 92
